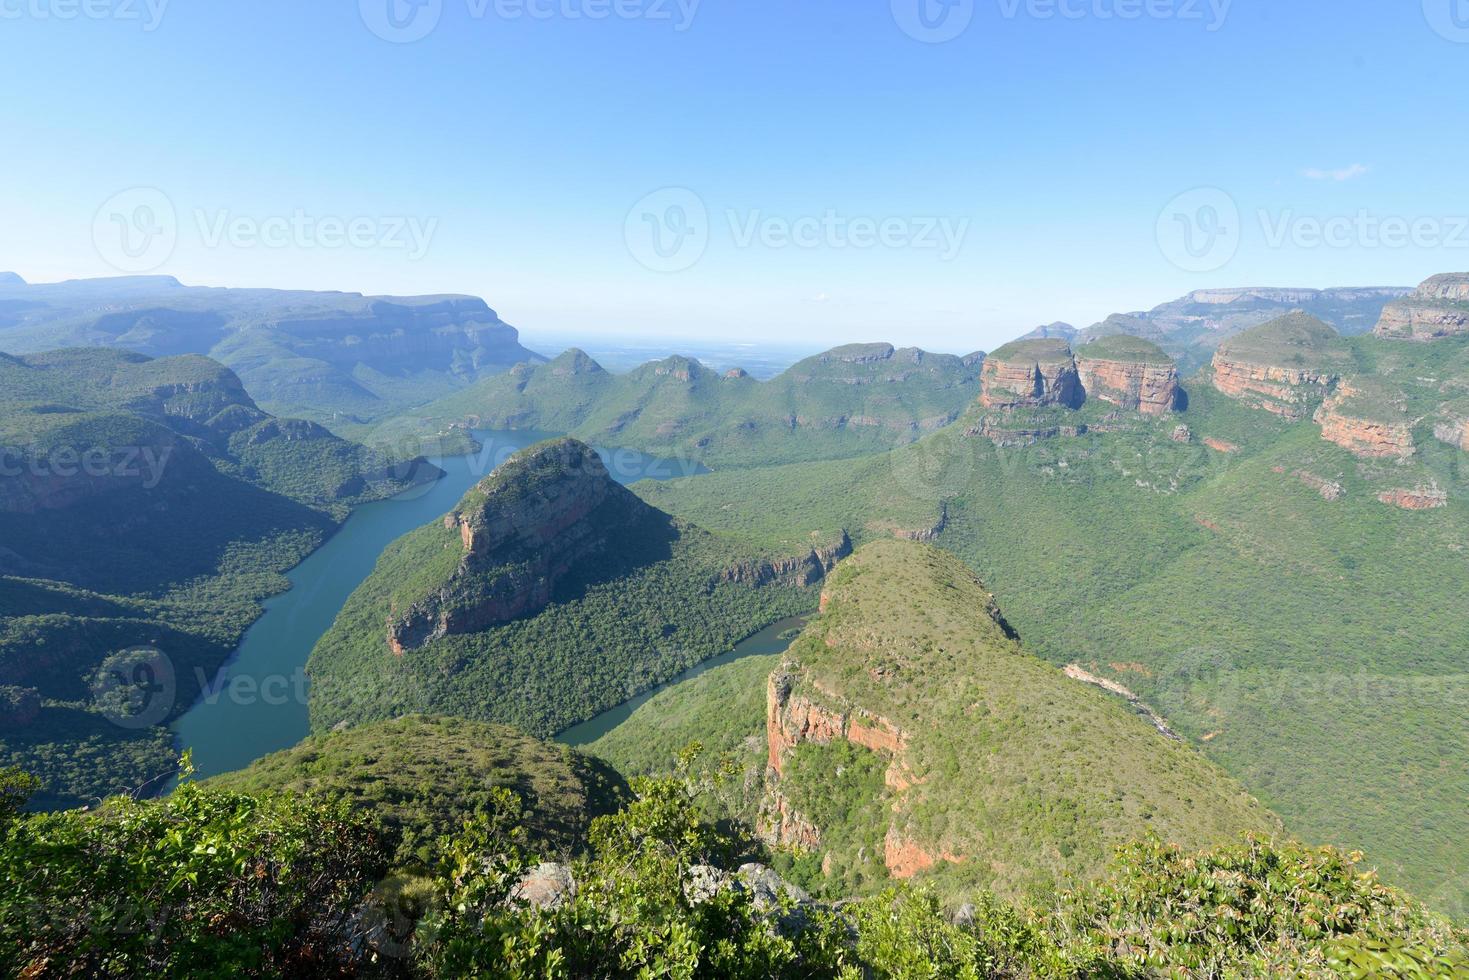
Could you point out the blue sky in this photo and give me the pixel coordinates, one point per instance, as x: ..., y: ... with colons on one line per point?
x: 945, y: 194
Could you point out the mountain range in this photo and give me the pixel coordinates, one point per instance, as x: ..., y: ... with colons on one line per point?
x: 341, y: 359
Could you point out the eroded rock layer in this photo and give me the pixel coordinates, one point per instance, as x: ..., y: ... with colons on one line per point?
x: 1140, y: 387
x: 1031, y: 374
x: 1439, y: 308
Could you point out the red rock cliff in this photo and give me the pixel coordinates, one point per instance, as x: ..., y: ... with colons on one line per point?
x: 1134, y: 385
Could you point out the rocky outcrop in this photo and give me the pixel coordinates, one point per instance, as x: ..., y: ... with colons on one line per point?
x: 1149, y: 387
x: 1286, y: 366
x: 1439, y: 308
x: 546, y: 886
x: 793, y: 719
x: 1031, y: 374
x: 782, y: 824
x: 1379, y: 432
x: 799, y: 571
x: 1454, y: 432
x: 1420, y: 498
x: 1220, y: 445
x: 1009, y: 432
x: 520, y: 532
x: 1286, y: 391
x: 1330, y: 490
x: 905, y: 858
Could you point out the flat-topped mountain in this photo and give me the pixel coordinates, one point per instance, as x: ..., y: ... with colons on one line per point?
x: 548, y: 595
x: 1438, y: 308
x: 1031, y: 373
x: 1192, y: 327
x: 336, y: 358
x: 1385, y: 402
x: 851, y: 400
x: 909, y: 732
x: 1285, y: 366
x: 1119, y: 369
x: 1129, y: 372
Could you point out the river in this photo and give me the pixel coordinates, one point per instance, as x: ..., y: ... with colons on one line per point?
x: 775, y: 638
x: 257, y: 704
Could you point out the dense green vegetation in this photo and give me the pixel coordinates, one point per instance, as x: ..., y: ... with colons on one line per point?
x: 1023, y: 776
x: 1123, y: 347
x: 1310, y: 646
x: 424, y: 777
x: 649, y: 598
x: 858, y: 399
x: 146, y: 507
x: 216, y: 883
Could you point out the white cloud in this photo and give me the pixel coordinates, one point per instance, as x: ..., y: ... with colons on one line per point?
x: 1345, y: 173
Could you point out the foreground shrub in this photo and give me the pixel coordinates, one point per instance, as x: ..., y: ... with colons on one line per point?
x: 199, y: 884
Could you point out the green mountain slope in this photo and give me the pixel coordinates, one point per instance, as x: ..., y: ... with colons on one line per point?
x: 340, y: 359
x: 146, y: 507
x: 424, y: 777
x: 549, y: 595
x: 857, y: 399
x: 1259, y: 594
x: 915, y: 735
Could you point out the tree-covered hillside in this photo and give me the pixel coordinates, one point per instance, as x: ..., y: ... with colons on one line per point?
x: 146, y: 507
x: 1241, y: 575
x: 548, y: 596
x: 857, y: 399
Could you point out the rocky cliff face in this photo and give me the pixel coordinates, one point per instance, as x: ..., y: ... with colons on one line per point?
x: 1374, y: 434
x: 1454, y: 432
x: 798, y: 571
x: 1417, y: 498
x: 1439, y: 308
x: 1286, y: 391
x: 1286, y: 366
x: 1149, y: 388
x: 1031, y: 374
x: 521, y: 531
